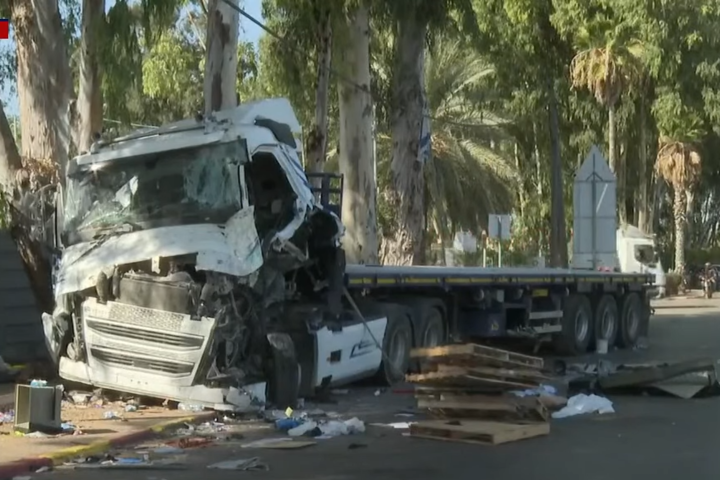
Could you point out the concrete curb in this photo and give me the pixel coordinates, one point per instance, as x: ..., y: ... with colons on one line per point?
x: 29, y: 465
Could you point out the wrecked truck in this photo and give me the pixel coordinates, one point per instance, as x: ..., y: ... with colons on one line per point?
x: 199, y: 264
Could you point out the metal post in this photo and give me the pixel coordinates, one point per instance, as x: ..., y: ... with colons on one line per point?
x: 500, y: 240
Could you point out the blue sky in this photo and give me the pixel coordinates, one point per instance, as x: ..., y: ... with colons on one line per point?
x: 248, y: 31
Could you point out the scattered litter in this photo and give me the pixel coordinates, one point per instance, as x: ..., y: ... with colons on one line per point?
x: 581, y: 404
x: 7, y: 417
x: 536, y: 392
x: 38, y: 383
x: 167, y: 450
x: 68, y: 427
x: 193, y: 442
x: 111, y: 416
x: 80, y: 398
x: 243, y: 464
x: 377, y: 393
x: 328, y: 429
x: 395, y: 425
x: 262, y: 443
x: 286, y: 424
x: 131, y: 408
x: 190, y: 407
x: 302, y: 429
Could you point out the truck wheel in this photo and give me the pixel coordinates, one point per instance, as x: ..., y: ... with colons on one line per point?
x: 397, y: 343
x: 577, y: 326
x: 607, y: 319
x: 432, y: 329
x: 283, y: 371
x: 630, y: 321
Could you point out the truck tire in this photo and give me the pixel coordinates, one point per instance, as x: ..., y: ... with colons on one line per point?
x: 432, y: 329
x: 607, y: 320
x: 396, y: 347
x: 577, y: 326
x: 631, y: 314
x: 283, y: 371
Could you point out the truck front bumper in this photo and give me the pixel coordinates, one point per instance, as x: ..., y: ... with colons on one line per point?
x: 247, y: 398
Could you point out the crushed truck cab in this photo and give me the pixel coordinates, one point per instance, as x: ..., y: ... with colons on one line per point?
x: 176, y: 243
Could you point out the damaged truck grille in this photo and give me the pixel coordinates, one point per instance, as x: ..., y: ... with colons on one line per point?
x: 143, y: 335
x: 155, y: 365
x: 157, y: 346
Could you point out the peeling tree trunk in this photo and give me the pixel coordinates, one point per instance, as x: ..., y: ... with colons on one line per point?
x: 221, y: 60
x: 558, y: 241
x: 45, y: 91
x: 612, y: 139
x: 641, y: 204
x: 89, y: 104
x: 680, y: 217
x: 356, y: 146
x: 10, y: 161
x: 316, y: 146
x: 538, y: 162
x: 407, y: 196
x: 44, y: 81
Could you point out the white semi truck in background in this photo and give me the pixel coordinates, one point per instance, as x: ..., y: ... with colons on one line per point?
x: 637, y: 253
x: 198, y: 264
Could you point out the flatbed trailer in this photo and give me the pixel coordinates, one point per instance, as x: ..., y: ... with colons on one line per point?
x: 572, y: 307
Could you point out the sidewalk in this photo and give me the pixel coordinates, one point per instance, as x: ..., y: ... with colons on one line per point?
x: 96, y: 433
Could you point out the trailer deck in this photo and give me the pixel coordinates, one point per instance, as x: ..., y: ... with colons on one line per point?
x: 367, y: 276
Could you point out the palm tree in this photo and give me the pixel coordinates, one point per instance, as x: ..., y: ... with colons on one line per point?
x: 608, y: 67
x: 679, y: 164
x: 468, y: 176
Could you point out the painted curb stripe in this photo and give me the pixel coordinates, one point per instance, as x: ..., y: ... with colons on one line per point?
x: 28, y: 465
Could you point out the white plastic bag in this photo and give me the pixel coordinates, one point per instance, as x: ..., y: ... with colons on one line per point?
x: 581, y: 404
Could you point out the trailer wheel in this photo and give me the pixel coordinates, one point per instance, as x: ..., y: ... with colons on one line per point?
x: 397, y: 343
x: 283, y: 371
x: 607, y: 319
x: 577, y: 326
x: 432, y: 329
x: 630, y: 321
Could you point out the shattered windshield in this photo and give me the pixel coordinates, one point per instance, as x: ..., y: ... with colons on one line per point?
x: 195, y: 185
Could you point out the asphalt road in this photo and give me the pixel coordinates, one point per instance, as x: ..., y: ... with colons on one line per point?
x: 661, y: 438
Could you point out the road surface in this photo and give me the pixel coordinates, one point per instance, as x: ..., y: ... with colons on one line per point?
x: 649, y: 437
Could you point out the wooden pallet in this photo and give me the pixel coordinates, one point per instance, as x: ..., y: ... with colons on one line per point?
x: 524, y: 375
x: 468, y: 378
x: 472, y: 431
x: 452, y: 394
x: 476, y: 355
x: 485, y: 407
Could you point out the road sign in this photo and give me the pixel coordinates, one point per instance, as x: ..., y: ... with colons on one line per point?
x: 499, y: 226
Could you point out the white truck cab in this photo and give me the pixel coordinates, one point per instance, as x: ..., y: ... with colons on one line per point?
x: 188, y: 252
x: 637, y: 253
